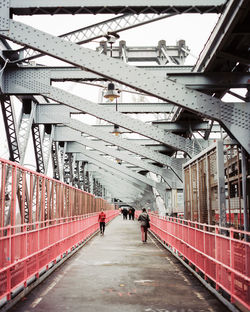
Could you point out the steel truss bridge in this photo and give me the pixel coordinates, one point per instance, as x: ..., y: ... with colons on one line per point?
x: 146, y: 159
x: 121, y: 157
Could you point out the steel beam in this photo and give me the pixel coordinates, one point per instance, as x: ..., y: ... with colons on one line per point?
x: 144, y: 108
x: 10, y: 128
x: 109, y: 168
x: 119, y: 168
x: 25, y: 125
x: 128, y: 145
x: 219, y: 34
x: 31, y: 7
x: 118, y: 185
x: 137, y: 126
x: 205, y: 105
x: 38, y: 148
x: 105, y: 28
x: 198, y: 81
x: 55, y: 161
x: 172, y: 54
x: 11, y: 83
x: 14, y: 85
x: 100, y: 146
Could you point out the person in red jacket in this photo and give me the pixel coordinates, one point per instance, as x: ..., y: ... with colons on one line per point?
x: 101, y: 220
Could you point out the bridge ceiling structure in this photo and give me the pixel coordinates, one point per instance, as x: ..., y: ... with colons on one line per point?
x: 174, y: 110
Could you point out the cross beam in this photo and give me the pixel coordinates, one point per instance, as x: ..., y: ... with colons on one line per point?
x: 199, y: 103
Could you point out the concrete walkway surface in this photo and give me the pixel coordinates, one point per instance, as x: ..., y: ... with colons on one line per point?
x: 118, y: 273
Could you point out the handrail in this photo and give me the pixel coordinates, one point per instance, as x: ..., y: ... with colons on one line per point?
x: 220, y: 254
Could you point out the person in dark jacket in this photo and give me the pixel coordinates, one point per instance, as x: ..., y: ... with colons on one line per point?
x: 144, y: 220
x: 125, y: 213
x: 130, y: 214
x: 133, y: 213
x: 101, y: 220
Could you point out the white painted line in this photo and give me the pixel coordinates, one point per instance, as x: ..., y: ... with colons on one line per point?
x: 36, y: 302
x: 155, y: 244
x: 199, y: 296
x: 52, y: 285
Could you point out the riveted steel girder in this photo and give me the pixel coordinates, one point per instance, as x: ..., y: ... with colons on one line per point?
x: 38, y: 148
x: 120, y: 168
x: 198, y: 81
x: 24, y: 130
x: 10, y: 128
x: 128, y: 145
x: 99, y: 30
x: 137, y: 126
x: 118, y: 185
x: 199, y: 103
x: 107, y: 167
x: 16, y: 84
x: 81, y: 127
x: 31, y: 7
x: 97, y: 145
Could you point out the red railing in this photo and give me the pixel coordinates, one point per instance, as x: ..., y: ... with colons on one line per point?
x: 25, y: 253
x: 220, y: 254
x: 41, y: 219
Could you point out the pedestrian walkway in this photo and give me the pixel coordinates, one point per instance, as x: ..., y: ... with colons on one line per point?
x: 118, y: 273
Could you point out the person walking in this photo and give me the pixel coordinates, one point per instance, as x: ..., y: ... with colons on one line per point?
x: 130, y: 214
x: 133, y: 213
x: 101, y: 220
x: 125, y: 213
x: 144, y: 220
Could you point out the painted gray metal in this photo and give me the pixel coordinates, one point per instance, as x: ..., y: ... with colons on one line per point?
x: 98, y: 30
x: 194, y: 80
x: 14, y: 84
x: 173, y: 55
x: 137, y: 126
x: 131, y: 108
x: 120, y: 168
x: 221, y: 183
x: 178, y: 94
x: 225, y: 22
x: 31, y: 7
x: 114, y: 184
x: 110, y: 167
x: 9, y: 119
x: 24, y: 131
x: 4, y: 18
x: 101, y: 146
x: 81, y: 127
x: 128, y: 145
x: 26, y: 82
x: 47, y: 146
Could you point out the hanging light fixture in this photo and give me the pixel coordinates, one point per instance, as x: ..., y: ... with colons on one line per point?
x: 111, y: 93
x: 116, y: 131
x: 118, y: 160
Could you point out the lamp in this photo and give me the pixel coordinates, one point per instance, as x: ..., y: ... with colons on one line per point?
x: 111, y: 94
x: 116, y: 131
x: 118, y: 160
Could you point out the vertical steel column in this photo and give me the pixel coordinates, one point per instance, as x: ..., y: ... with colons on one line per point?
x: 38, y: 148
x: 86, y: 182
x: 25, y: 125
x: 55, y: 161
x: 47, y: 145
x: 198, y: 191
x: 10, y: 128
x: 221, y: 183
x: 208, y: 190
x: 244, y: 188
x: 67, y: 168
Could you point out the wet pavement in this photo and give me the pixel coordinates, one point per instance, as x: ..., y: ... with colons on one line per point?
x: 118, y: 273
